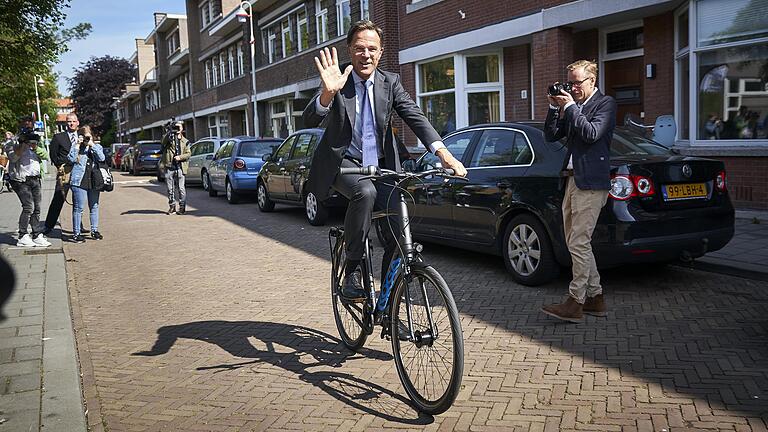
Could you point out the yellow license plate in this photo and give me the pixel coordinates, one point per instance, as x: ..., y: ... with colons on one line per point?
x: 685, y: 191
x: 155, y: 156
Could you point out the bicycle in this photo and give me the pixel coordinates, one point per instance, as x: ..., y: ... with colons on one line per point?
x: 414, y: 304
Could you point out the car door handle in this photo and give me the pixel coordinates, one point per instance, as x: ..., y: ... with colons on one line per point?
x: 301, y: 168
x: 462, y: 194
x: 503, y: 185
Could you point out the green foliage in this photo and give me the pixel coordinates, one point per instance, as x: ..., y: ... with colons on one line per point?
x: 94, y: 85
x: 30, y: 43
x: 142, y: 135
x: 108, y: 138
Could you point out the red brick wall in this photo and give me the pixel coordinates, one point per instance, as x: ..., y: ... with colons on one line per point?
x: 517, y: 77
x: 659, y: 37
x: 552, y: 52
x: 747, y: 189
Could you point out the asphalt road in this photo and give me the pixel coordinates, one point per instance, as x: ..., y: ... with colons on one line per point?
x: 221, y: 320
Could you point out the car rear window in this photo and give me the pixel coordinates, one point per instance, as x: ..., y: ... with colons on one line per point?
x: 150, y: 148
x: 628, y: 143
x: 256, y: 148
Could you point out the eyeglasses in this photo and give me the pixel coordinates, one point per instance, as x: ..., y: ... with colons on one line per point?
x: 579, y: 83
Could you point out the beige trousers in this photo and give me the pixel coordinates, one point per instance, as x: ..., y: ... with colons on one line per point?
x: 580, y: 211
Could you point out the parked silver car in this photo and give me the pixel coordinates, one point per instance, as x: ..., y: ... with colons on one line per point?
x: 202, y: 154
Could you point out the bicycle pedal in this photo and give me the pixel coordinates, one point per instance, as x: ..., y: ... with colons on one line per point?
x: 385, y: 334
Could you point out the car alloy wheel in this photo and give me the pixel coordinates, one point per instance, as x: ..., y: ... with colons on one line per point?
x: 262, y: 196
x: 232, y: 196
x: 528, y: 252
x: 316, y: 212
x: 206, y: 181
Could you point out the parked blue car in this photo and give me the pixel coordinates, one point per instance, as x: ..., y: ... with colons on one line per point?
x: 235, y: 166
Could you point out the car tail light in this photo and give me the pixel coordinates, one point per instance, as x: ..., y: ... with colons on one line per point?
x: 624, y: 187
x: 720, y: 182
x: 239, y: 164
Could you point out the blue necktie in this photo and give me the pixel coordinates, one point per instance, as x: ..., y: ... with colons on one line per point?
x: 368, y: 132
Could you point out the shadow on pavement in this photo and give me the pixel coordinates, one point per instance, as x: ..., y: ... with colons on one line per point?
x: 309, y: 348
x: 148, y: 211
x: 686, y: 333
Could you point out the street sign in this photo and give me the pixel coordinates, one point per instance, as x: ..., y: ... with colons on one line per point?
x: 39, y: 125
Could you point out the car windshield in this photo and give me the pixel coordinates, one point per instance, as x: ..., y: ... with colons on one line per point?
x: 150, y: 148
x: 629, y: 143
x: 256, y: 148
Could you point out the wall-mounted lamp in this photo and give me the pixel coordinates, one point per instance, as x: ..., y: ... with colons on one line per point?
x: 650, y: 70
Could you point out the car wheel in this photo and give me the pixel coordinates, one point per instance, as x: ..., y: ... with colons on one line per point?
x: 528, y: 251
x: 206, y: 181
x: 317, y: 213
x: 232, y: 196
x: 265, y: 204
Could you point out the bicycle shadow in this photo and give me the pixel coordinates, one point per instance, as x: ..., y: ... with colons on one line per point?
x: 307, y: 348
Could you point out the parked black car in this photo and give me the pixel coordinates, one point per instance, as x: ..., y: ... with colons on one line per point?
x: 283, y: 177
x: 662, y: 206
x: 145, y: 157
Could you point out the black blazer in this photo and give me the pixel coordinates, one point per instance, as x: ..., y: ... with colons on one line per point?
x: 60, y: 145
x: 389, y: 97
x: 589, y: 132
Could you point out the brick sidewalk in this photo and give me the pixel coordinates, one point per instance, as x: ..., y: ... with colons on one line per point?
x: 221, y: 320
x: 38, y: 364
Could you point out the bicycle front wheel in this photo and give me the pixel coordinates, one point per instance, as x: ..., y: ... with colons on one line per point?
x: 427, y: 340
x: 350, y: 317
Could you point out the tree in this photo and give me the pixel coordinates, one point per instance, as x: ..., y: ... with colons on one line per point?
x: 94, y: 85
x: 29, y: 46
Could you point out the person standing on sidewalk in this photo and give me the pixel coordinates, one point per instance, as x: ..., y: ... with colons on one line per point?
x: 61, y: 143
x: 85, y: 158
x: 174, y: 163
x: 25, y: 166
x: 587, y: 118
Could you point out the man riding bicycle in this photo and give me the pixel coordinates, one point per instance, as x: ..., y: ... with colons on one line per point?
x: 355, y: 106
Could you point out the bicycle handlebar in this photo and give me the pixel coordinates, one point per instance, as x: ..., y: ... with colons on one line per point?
x: 373, y: 171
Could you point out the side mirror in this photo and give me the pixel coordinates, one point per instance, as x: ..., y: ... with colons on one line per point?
x: 409, y: 165
x: 267, y: 157
x: 209, y: 157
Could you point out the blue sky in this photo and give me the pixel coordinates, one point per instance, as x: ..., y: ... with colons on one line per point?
x: 115, y: 26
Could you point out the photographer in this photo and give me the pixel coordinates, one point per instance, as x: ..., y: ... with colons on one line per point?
x: 25, y: 165
x: 85, y: 157
x: 587, y: 118
x: 174, y: 163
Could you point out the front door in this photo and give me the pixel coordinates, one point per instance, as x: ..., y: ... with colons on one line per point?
x: 624, y: 82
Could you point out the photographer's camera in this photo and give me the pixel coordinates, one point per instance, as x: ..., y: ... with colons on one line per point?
x: 554, y: 89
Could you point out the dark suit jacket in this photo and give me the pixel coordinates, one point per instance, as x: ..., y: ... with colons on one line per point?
x: 60, y: 145
x: 389, y: 97
x: 589, y: 132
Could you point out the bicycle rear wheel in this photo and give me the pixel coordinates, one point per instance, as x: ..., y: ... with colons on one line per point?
x: 349, y: 316
x: 430, y: 363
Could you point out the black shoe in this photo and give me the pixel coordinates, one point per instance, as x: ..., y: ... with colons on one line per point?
x: 171, y: 209
x: 46, y: 230
x: 182, y: 209
x: 352, y: 287
x: 96, y: 235
x: 78, y: 239
x: 84, y: 230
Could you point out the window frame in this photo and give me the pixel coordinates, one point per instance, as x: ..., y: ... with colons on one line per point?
x: 321, y: 23
x: 477, y: 147
x: 340, y: 30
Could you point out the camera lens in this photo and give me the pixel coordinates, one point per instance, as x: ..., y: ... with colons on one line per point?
x: 554, y: 89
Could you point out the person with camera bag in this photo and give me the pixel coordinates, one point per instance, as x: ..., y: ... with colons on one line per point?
x: 61, y: 144
x: 25, y: 167
x: 86, y: 182
x: 174, y: 164
x: 579, y: 112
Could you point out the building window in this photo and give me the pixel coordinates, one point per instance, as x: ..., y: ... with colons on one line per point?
x: 321, y: 20
x: 722, y: 90
x: 206, y: 13
x: 223, y: 66
x: 240, y: 61
x: 172, y: 93
x: 461, y: 90
x: 174, y: 43
x: 231, y: 62
x: 208, y: 80
x: 343, y: 16
x: 285, y: 37
x: 218, y: 125
x: 214, y: 72
x: 365, y: 12
x: 272, y: 44
x: 302, y: 39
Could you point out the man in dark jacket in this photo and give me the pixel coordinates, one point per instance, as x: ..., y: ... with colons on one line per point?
x: 60, y: 145
x: 587, y: 119
x: 174, y: 163
x: 356, y: 106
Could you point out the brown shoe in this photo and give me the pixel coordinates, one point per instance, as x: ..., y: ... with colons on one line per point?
x: 595, y: 306
x: 568, y: 311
